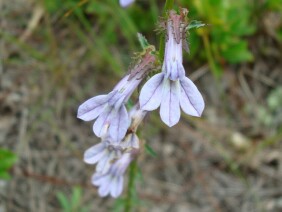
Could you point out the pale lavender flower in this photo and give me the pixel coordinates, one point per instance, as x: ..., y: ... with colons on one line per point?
x: 111, y: 183
x: 112, y: 158
x: 125, y: 3
x: 171, y: 89
x: 110, y: 109
x: 103, y: 154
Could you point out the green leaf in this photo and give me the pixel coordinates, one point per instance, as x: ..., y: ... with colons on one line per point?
x: 63, y: 200
x: 4, y: 175
x: 76, y: 196
x: 195, y: 24
x: 150, y: 150
x: 7, y: 160
x: 237, y: 52
x: 142, y: 40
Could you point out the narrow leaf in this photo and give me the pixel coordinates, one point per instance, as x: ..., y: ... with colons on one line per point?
x: 142, y: 40
x: 195, y: 24
x: 65, y: 204
x: 150, y: 150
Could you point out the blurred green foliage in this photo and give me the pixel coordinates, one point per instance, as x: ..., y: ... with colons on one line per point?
x: 224, y: 40
x: 73, y: 203
x: 7, y: 160
x: 150, y: 150
x: 104, y: 27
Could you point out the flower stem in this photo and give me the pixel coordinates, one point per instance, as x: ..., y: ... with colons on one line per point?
x: 131, y: 192
x: 168, y: 6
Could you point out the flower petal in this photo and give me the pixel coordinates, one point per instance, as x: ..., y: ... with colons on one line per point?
x: 173, y: 71
x: 119, y: 124
x: 92, y: 108
x: 180, y: 70
x: 116, y: 187
x: 125, y: 3
x: 94, y: 153
x: 102, y: 122
x: 191, y: 100
x: 151, y: 93
x: 170, y: 110
x: 116, y: 98
x: 98, y: 179
x: 105, y: 186
x: 105, y: 163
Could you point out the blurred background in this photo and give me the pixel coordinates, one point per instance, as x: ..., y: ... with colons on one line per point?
x: 56, y: 54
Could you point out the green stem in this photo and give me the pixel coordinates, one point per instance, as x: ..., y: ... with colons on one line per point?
x: 209, y: 55
x: 131, y: 192
x: 168, y: 6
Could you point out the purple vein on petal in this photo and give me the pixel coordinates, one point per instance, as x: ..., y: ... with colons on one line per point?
x: 191, y: 100
x: 151, y: 93
x: 92, y: 108
x: 101, y: 122
x: 170, y: 110
x: 119, y: 124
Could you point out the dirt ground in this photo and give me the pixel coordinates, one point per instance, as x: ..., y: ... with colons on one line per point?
x: 229, y: 160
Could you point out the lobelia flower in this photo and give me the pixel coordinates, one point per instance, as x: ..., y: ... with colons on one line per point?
x: 112, y: 161
x: 125, y: 3
x: 110, y: 110
x: 112, y: 181
x: 103, y: 154
x: 113, y: 158
x: 171, y: 89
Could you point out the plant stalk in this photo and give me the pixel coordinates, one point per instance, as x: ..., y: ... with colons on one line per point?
x: 131, y: 192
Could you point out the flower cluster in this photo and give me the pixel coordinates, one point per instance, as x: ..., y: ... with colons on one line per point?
x: 116, y: 127
x: 170, y: 90
x: 112, y: 158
